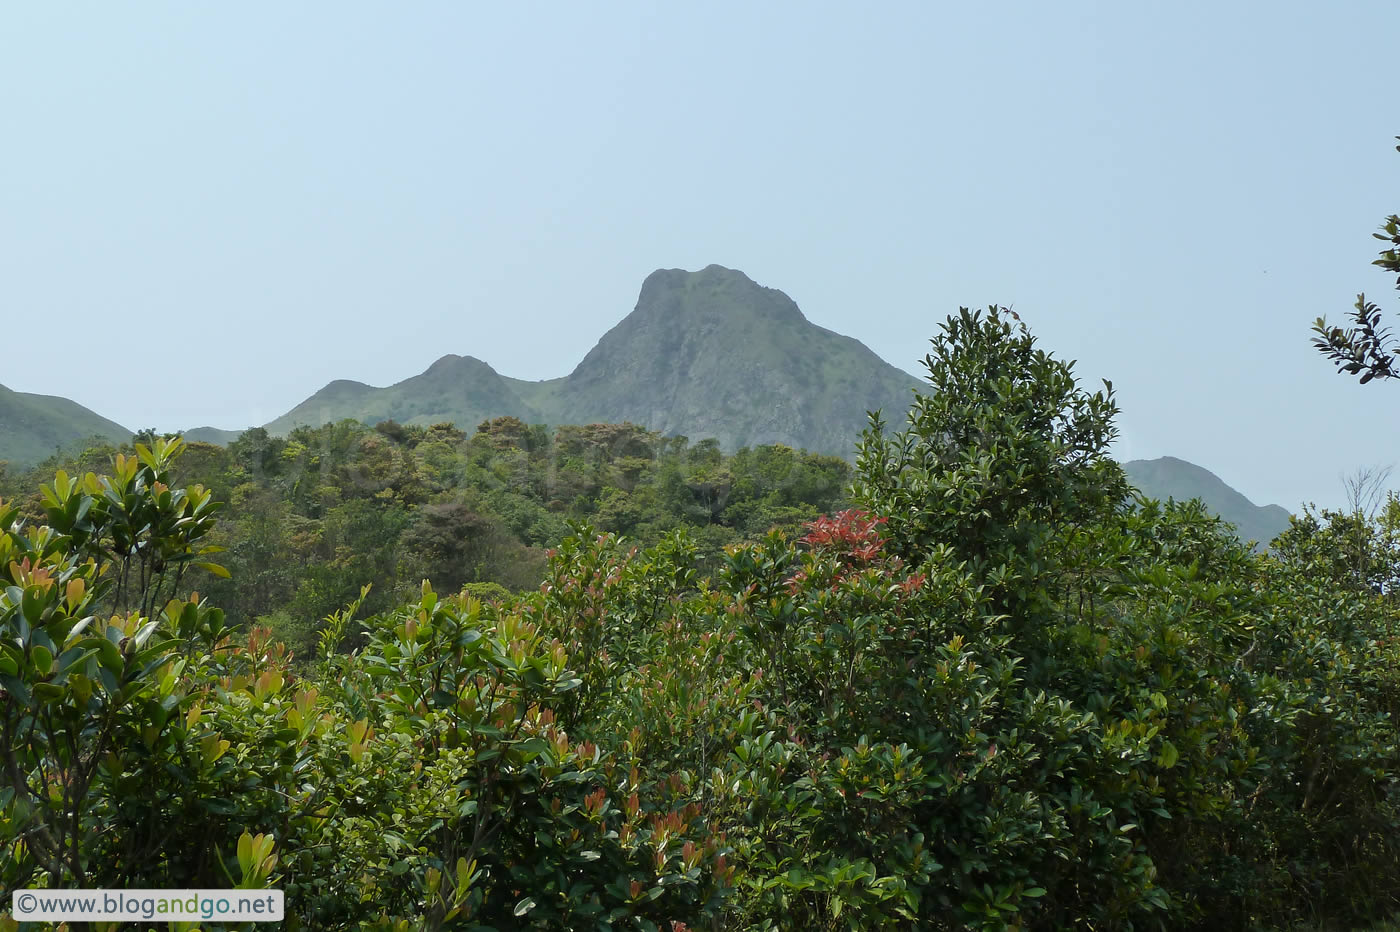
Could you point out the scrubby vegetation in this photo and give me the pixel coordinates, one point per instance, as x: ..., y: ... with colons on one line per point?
x: 989, y: 688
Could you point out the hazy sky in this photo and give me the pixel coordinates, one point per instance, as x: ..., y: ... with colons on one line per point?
x: 208, y: 211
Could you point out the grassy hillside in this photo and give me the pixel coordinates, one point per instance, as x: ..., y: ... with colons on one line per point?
x: 33, y: 427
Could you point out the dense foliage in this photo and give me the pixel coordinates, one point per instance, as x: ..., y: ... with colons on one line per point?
x: 310, y: 518
x: 997, y: 692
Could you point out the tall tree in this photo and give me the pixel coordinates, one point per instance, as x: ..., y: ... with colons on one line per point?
x: 998, y: 461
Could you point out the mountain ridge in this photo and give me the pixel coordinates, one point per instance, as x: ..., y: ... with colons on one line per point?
x: 462, y: 389
x: 707, y: 354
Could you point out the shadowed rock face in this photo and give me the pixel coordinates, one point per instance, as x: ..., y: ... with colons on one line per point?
x: 708, y: 354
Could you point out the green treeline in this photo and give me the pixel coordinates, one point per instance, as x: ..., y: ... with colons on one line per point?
x: 987, y: 688
x: 312, y: 517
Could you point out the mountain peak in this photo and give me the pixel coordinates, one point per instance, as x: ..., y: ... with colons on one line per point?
x: 713, y: 271
x: 715, y: 354
x: 714, y: 290
x: 452, y: 361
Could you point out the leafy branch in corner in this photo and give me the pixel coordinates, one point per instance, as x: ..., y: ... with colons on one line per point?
x: 1366, y: 349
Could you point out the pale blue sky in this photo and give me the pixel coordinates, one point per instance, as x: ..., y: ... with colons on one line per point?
x: 209, y: 211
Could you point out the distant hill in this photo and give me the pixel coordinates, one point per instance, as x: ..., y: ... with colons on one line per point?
x: 708, y: 354
x: 33, y: 427
x: 460, y: 389
x: 1169, y: 477
x: 215, y: 435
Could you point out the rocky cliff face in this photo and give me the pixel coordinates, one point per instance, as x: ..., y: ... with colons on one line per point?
x: 713, y: 354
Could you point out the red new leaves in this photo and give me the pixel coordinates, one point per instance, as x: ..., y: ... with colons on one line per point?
x: 849, y: 544
x: 852, y: 533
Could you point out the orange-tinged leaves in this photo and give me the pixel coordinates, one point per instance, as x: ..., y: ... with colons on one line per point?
x: 74, y: 591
